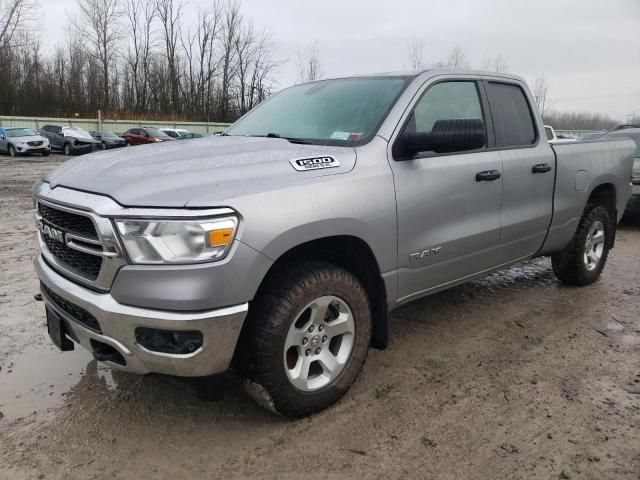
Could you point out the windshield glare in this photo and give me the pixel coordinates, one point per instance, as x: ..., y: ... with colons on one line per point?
x: 20, y: 132
x: 330, y: 112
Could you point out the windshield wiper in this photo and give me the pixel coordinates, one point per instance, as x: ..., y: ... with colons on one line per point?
x: 289, y: 139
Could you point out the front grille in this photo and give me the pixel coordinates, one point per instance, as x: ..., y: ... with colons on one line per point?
x: 70, y: 222
x: 34, y: 144
x: 86, y: 264
x: 79, y: 314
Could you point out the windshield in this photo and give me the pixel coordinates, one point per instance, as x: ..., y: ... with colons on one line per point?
x: 330, y: 112
x: 20, y: 132
x: 78, y: 131
x: 154, y: 132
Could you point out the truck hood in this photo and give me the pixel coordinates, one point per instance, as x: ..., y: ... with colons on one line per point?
x: 203, y: 172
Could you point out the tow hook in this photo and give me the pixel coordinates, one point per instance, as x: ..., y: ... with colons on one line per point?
x: 37, y: 297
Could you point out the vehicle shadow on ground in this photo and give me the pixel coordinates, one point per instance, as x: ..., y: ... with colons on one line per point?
x: 175, y: 398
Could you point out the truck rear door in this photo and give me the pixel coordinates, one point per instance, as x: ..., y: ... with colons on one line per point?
x: 448, y: 203
x: 528, y: 164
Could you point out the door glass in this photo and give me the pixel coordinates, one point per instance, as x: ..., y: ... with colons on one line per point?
x: 447, y: 101
x: 512, y: 118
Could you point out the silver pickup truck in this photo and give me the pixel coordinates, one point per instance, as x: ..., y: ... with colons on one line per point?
x: 280, y: 247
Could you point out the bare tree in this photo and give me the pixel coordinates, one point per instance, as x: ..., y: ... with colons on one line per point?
x: 541, y: 95
x: 215, y: 66
x: 139, y: 16
x: 415, y: 52
x: 231, y: 31
x: 254, y: 67
x: 456, y: 60
x: 497, y: 64
x: 15, y: 18
x: 99, y: 26
x: 309, y: 66
x: 170, y: 12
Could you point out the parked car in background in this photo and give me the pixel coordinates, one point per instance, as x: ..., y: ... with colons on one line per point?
x: 69, y: 140
x: 553, y: 138
x: 108, y: 140
x: 191, y: 135
x: 177, y: 133
x: 633, y: 205
x: 144, y: 135
x: 17, y: 141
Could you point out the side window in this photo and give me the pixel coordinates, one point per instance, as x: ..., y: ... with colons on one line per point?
x: 444, y: 120
x: 512, y: 116
x: 549, y: 133
x: 57, y: 130
x: 447, y: 101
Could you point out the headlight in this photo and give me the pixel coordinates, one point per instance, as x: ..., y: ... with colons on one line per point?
x: 159, y: 140
x: 177, y: 241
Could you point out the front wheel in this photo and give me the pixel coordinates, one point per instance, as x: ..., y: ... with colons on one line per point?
x: 67, y: 149
x: 45, y: 153
x: 581, y: 262
x: 103, y: 145
x: 12, y: 151
x: 307, y: 339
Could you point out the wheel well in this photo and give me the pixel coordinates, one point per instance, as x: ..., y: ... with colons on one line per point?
x: 354, y: 255
x: 605, y: 196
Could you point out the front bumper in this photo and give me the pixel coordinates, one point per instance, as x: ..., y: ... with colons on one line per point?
x: 220, y: 329
x: 29, y: 149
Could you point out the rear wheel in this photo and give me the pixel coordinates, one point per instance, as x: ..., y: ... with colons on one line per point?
x: 12, y: 151
x: 581, y: 262
x: 307, y: 339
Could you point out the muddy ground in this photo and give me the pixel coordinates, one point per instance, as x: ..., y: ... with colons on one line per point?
x: 511, y: 376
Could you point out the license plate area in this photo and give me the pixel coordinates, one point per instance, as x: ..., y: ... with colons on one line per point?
x: 57, y: 331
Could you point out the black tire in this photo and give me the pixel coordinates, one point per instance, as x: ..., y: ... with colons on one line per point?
x: 270, y: 317
x: 45, y: 153
x: 103, y: 145
x: 67, y: 149
x: 12, y: 151
x: 569, y: 264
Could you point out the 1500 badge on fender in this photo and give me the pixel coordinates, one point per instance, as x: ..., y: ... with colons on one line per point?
x: 303, y: 164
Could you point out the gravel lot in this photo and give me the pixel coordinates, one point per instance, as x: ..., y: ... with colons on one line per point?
x: 511, y: 376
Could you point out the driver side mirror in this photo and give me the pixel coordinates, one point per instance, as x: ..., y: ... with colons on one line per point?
x: 451, y: 135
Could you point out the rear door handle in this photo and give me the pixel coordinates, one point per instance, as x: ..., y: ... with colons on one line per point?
x: 541, y: 168
x: 487, y: 176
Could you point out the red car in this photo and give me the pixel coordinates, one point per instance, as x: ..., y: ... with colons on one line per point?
x: 143, y: 135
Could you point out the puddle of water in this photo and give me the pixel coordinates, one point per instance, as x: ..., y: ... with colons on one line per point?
x: 39, y: 378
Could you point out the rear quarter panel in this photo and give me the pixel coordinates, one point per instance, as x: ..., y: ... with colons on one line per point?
x: 580, y: 168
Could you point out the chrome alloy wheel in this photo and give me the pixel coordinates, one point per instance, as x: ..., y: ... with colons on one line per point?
x: 319, y: 343
x: 594, y: 246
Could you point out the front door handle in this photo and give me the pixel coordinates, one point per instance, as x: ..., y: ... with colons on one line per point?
x: 487, y: 176
x: 541, y: 168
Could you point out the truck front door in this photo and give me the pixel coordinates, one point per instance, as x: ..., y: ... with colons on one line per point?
x: 448, y: 203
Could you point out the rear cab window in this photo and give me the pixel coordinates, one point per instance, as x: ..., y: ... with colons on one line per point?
x: 512, y: 116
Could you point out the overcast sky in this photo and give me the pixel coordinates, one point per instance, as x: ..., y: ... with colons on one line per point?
x: 588, y: 50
